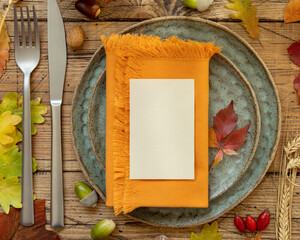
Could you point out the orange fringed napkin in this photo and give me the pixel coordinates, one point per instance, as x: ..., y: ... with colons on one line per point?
x: 146, y: 57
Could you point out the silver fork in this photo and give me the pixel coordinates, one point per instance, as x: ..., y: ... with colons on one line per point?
x: 27, y: 57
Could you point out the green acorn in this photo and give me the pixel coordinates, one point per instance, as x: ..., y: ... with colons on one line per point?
x: 88, y: 197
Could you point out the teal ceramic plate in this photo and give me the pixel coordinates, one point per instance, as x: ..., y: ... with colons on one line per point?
x: 226, y: 83
x: 252, y: 67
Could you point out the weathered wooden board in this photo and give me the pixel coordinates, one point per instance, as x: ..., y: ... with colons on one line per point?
x: 133, y: 10
x: 115, y: 16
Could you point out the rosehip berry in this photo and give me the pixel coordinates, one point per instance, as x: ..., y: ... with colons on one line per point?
x: 239, y: 223
x: 250, y: 223
x: 263, y: 220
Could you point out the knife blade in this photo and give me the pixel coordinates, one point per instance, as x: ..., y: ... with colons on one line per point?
x: 57, y: 60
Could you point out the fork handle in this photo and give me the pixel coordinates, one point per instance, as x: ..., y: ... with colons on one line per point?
x: 57, y: 199
x: 27, y: 212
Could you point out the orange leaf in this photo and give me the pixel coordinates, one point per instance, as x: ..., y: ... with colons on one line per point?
x: 230, y: 152
x: 292, y: 11
x: 4, y: 47
x: 218, y: 158
x: 213, y: 142
x: 246, y: 13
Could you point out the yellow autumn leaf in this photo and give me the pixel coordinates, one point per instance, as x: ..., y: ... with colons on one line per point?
x: 4, y: 47
x: 292, y: 11
x: 37, y: 110
x: 8, y: 124
x: 246, y: 14
x: 17, y: 137
x: 209, y: 232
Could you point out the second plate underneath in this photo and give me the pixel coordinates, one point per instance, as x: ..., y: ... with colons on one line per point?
x: 226, y: 83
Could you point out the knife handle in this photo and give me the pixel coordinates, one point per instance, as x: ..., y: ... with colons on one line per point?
x: 57, y: 198
x: 27, y: 211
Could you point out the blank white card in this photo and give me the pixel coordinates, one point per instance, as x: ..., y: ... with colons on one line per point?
x: 162, y: 129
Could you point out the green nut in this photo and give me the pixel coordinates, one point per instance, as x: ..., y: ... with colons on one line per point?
x: 102, y: 229
x: 82, y: 190
x: 190, y: 3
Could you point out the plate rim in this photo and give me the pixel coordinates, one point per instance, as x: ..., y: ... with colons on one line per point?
x: 256, y: 112
x: 270, y: 79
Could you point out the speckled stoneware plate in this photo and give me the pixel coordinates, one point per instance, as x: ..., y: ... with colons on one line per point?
x: 226, y: 83
x: 253, y: 68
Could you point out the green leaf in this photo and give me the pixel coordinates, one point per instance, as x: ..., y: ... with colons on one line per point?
x: 11, y: 163
x: 209, y: 232
x: 37, y: 110
x: 10, y: 103
x: 10, y: 193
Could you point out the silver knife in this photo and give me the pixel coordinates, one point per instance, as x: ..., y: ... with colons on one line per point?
x: 57, y: 57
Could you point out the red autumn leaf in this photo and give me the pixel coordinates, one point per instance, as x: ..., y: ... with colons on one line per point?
x: 225, y: 122
x: 294, y: 52
x: 236, y: 139
x: 10, y: 227
x: 297, y: 84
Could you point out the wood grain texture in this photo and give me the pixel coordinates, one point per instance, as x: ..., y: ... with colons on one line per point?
x: 134, y: 10
x: 116, y: 15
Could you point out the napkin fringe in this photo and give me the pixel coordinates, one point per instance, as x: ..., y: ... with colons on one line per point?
x: 134, y: 50
x: 143, y: 47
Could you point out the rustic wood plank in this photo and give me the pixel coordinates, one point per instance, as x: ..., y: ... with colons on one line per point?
x: 129, y: 10
x: 79, y: 220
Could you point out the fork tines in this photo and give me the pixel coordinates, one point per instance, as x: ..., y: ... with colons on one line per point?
x: 23, y: 32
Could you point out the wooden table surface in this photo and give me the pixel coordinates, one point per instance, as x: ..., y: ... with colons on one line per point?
x: 275, y: 37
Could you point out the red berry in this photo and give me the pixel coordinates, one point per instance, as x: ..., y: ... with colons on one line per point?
x: 263, y: 220
x: 240, y: 223
x: 250, y: 223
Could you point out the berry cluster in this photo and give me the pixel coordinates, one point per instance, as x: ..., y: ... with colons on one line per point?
x: 252, y: 225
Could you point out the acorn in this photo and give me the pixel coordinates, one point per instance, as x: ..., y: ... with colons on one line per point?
x: 102, y: 229
x: 161, y: 237
x: 200, y: 5
x: 88, y: 197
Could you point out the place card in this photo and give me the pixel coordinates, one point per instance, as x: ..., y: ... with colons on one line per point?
x: 162, y: 129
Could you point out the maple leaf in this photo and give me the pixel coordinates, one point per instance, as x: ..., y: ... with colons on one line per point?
x: 246, y: 14
x: 8, y: 124
x: 37, y: 110
x: 10, y: 193
x: 4, y: 47
x: 294, y: 52
x: 292, y: 11
x: 209, y: 232
x: 224, y: 123
x: 10, y: 227
x: 297, y: 84
x: 11, y: 163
